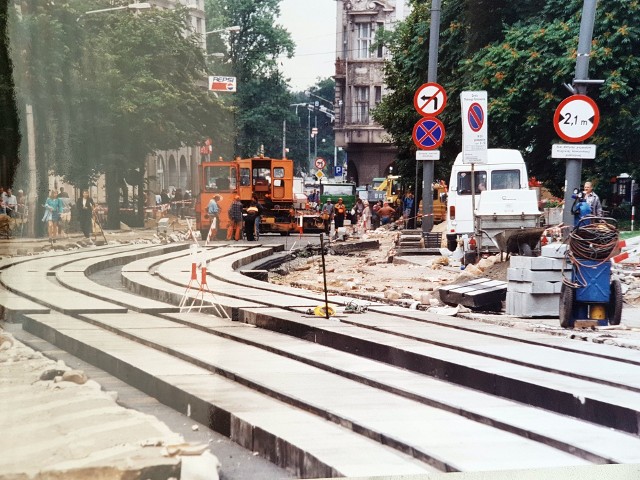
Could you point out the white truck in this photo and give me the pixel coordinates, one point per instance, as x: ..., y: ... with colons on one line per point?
x: 503, y: 203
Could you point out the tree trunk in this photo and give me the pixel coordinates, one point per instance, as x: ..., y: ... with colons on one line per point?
x: 112, y: 181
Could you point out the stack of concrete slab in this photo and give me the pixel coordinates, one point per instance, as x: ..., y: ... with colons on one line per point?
x: 533, y: 288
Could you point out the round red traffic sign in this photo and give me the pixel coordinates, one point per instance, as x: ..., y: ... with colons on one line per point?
x: 430, y: 99
x: 576, y: 118
x: 320, y: 163
x: 428, y: 133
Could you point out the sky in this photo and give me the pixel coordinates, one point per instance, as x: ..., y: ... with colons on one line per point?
x: 312, y: 24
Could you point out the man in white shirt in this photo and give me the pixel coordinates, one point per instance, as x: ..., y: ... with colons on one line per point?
x: 592, y: 199
x: 10, y: 203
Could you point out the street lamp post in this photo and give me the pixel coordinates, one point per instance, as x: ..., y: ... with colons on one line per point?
x: 235, y: 28
x: 131, y: 6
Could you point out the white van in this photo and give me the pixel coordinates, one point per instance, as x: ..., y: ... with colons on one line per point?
x: 505, y: 169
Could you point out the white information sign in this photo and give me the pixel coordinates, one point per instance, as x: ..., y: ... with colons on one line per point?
x: 427, y: 154
x: 577, y: 151
x: 474, y: 126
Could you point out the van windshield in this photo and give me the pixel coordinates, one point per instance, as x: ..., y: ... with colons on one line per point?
x: 464, y: 182
x: 505, y: 179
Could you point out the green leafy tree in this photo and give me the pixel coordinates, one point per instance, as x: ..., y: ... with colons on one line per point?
x: 112, y: 88
x: 522, y: 65
x: 525, y: 71
x: 9, y: 127
x: 262, y: 101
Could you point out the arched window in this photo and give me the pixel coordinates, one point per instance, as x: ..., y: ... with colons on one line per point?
x: 160, y: 172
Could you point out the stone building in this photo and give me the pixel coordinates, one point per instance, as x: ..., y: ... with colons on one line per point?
x: 360, y: 84
x: 178, y: 168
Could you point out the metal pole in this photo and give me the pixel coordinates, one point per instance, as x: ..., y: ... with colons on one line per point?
x: 324, y: 278
x: 284, y: 138
x: 315, y: 136
x: 309, y: 140
x: 432, y: 76
x: 574, y: 166
x: 32, y: 179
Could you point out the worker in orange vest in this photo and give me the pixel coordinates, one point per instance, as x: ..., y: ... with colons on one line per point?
x: 339, y: 212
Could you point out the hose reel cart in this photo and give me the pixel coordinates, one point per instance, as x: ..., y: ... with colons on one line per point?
x: 591, y: 294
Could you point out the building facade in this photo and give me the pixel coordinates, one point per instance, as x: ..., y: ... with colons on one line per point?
x: 173, y: 169
x: 360, y: 85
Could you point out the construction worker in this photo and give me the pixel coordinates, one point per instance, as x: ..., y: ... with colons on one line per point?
x: 234, y: 230
x: 213, y: 210
x: 327, y: 214
x: 339, y: 212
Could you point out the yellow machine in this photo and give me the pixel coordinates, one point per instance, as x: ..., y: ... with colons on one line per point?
x: 393, y: 192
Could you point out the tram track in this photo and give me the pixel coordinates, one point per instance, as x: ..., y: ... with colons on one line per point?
x: 389, y: 354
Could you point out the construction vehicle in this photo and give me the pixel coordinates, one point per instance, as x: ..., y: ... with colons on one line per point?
x: 490, y: 205
x: 389, y: 189
x: 269, y: 179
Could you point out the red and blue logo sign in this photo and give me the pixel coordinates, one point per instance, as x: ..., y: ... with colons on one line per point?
x: 475, y: 117
x: 428, y: 133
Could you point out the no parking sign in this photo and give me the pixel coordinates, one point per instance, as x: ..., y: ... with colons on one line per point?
x: 474, y: 127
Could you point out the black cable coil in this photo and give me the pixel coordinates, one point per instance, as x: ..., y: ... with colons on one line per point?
x: 593, y: 241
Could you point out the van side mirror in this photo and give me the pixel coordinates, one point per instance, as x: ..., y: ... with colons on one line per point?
x: 443, y: 197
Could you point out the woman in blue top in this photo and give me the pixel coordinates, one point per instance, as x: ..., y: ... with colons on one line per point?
x: 52, y: 213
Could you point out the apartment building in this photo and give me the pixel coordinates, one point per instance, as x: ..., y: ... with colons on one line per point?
x: 360, y: 84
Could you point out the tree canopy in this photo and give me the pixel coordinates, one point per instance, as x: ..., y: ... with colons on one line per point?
x: 262, y: 100
x: 107, y: 89
x: 528, y: 55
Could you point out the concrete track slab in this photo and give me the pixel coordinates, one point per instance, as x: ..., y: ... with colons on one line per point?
x: 384, y: 414
x: 549, y: 390
x: 77, y: 281
x: 534, y: 334
x: 550, y: 359
x: 246, y: 416
x: 595, y: 441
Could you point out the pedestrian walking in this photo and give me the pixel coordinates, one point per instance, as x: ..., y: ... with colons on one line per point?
x: 85, y: 213
x: 365, y: 219
x: 52, y: 212
x: 386, y: 214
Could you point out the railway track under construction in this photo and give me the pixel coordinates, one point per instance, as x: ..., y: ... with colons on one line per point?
x: 390, y: 391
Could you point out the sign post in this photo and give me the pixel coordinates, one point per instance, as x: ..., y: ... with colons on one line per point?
x: 428, y: 134
x: 575, y: 120
x: 475, y: 137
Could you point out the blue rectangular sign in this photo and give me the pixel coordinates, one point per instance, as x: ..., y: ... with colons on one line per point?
x: 338, y: 171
